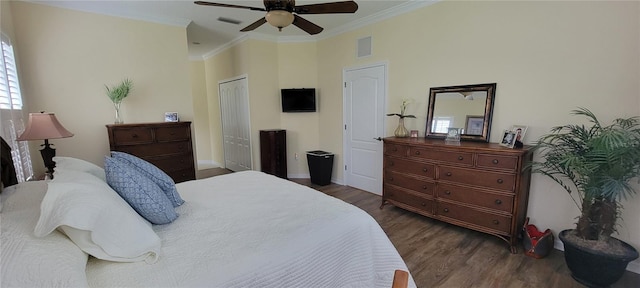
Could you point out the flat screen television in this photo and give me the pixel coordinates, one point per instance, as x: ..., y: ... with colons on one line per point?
x: 298, y: 100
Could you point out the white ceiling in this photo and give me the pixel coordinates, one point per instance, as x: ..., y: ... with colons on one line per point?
x: 211, y: 34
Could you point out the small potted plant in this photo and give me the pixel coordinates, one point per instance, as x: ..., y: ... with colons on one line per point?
x: 117, y: 93
x: 402, y: 131
x: 595, y: 165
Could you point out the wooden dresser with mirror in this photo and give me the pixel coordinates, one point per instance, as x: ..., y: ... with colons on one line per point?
x: 477, y: 185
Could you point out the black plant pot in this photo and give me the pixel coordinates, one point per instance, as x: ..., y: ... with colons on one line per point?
x: 595, y: 268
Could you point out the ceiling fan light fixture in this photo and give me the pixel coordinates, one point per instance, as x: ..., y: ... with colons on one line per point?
x: 279, y: 18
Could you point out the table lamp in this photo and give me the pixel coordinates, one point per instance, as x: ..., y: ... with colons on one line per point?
x: 45, y: 126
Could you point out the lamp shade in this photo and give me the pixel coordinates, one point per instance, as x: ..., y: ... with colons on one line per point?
x: 279, y: 18
x: 44, y: 126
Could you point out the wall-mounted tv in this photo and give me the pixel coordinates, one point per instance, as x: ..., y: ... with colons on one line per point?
x: 298, y: 100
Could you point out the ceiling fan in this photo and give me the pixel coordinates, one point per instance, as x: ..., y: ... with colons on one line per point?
x: 282, y: 13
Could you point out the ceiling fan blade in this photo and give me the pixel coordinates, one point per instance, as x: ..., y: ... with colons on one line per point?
x: 306, y: 25
x: 204, y: 3
x: 254, y: 25
x: 326, y: 8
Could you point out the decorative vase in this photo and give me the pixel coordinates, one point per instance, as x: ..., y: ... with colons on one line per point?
x: 596, y: 268
x: 401, y: 131
x: 118, y: 116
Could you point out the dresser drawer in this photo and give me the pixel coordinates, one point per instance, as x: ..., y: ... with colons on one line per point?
x: 420, y: 186
x: 182, y: 175
x: 411, y: 199
x: 460, y: 158
x: 496, y: 180
x: 172, y: 163
x: 411, y: 167
x: 128, y: 136
x: 497, y: 161
x: 157, y: 149
x: 473, y: 216
x: 475, y: 197
x: 172, y: 134
x: 395, y: 150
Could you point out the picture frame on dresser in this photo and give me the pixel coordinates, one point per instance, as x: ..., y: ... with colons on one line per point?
x: 520, y: 131
x: 171, y: 117
x: 508, y: 138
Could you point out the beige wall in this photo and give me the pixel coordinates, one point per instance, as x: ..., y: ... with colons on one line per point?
x: 66, y: 58
x: 298, y: 68
x: 201, y: 122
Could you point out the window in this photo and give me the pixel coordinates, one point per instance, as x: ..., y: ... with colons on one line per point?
x: 441, y: 124
x: 11, y: 114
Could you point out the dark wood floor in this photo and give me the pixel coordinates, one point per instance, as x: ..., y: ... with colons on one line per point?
x: 442, y: 255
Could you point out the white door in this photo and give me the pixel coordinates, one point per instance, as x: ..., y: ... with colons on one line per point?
x: 234, y: 110
x: 365, y: 92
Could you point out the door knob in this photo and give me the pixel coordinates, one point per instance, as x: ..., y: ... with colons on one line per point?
x: 379, y: 139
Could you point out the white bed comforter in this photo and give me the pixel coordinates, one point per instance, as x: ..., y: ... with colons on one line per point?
x: 250, y: 229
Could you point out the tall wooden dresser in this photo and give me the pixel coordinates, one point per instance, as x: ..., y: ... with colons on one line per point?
x: 480, y: 186
x: 167, y: 145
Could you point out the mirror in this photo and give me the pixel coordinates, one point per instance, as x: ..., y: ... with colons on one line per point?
x: 468, y: 108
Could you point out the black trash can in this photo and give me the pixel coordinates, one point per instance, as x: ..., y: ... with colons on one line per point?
x: 320, y: 166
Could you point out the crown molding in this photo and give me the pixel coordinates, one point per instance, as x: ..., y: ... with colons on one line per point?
x: 180, y: 22
x: 380, y: 16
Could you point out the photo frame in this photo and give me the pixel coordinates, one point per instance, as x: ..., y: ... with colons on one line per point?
x: 414, y: 133
x: 508, y: 138
x: 453, y: 135
x: 520, y: 131
x: 171, y: 117
x: 474, y: 125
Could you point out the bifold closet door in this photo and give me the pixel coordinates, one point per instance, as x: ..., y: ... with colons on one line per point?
x: 236, y: 131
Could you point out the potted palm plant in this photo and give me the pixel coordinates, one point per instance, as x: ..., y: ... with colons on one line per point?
x: 595, y: 165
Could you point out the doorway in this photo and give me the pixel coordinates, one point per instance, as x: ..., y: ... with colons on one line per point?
x: 365, y: 90
x: 236, y: 130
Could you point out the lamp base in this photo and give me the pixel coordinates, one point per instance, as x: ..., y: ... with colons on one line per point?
x: 47, y: 156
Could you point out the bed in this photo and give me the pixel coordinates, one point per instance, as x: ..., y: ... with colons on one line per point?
x: 244, y: 229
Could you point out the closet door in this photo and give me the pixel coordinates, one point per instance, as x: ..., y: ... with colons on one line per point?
x: 236, y: 131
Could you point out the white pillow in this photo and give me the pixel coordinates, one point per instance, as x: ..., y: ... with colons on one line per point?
x: 96, y: 219
x: 75, y: 164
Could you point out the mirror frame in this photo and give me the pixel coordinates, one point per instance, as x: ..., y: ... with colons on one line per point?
x: 490, y: 88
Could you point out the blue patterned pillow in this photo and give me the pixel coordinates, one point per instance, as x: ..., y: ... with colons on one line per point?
x: 155, y: 174
x: 140, y: 192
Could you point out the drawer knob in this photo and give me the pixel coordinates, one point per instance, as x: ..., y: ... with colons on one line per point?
x: 495, y: 161
x: 500, y: 181
x: 134, y: 136
x: 390, y: 178
x: 449, y: 174
x: 390, y: 163
x: 498, y: 201
x: 423, y: 204
x: 496, y: 222
x: 446, y: 210
x: 395, y: 149
x: 424, y: 169
x: 417, y: 152
x: 447, y: 192
x: 460, y: 158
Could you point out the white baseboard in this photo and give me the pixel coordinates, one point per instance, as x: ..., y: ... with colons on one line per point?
x: 298, y: 176
x: 633, y: 266
x: 207, y: 164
